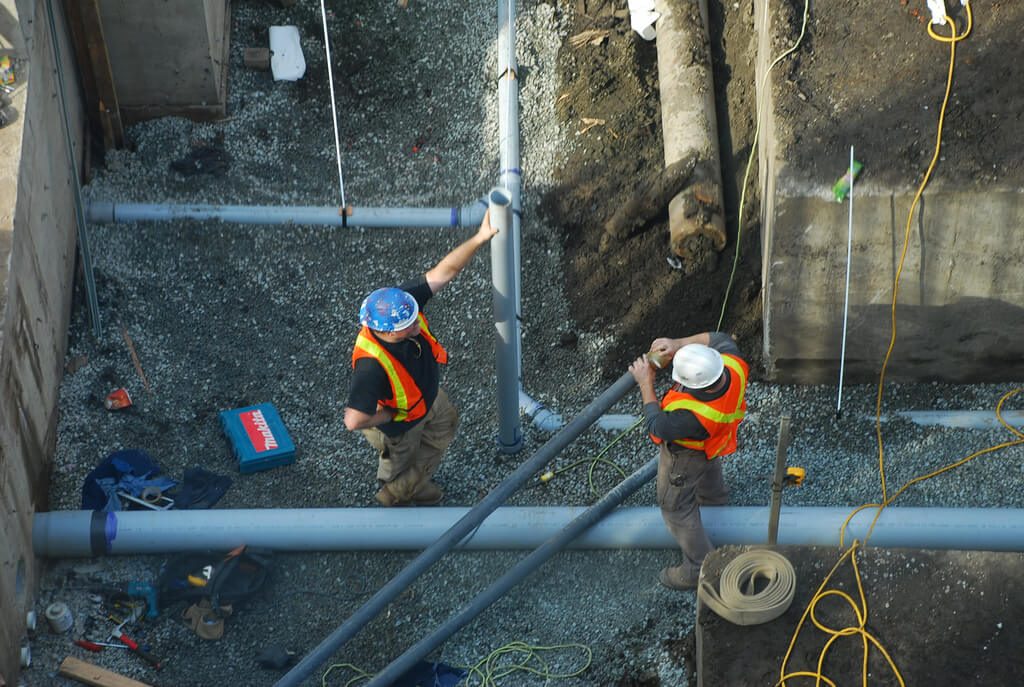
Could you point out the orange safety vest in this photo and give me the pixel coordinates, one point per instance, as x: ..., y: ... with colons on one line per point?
x: 406, y: 397
x: 719, y: 417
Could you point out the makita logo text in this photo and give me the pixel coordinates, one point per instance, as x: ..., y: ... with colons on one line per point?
x: 258, y: 430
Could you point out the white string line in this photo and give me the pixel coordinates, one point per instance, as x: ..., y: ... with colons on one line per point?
x: 846, y: 300
x: 334, y: 107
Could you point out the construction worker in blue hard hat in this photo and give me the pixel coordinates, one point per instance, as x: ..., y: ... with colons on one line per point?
x: 395, y: 397
x: 694, y: 426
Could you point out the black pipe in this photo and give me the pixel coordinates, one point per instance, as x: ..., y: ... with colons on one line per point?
x: 456, y: 533
x: 540, y: 555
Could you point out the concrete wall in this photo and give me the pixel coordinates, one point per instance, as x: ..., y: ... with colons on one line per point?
x: 169, y: 57
x: 35, y: 299
x: 959, y: 314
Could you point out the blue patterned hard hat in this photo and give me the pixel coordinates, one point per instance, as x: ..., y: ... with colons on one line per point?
x: 388, y: 310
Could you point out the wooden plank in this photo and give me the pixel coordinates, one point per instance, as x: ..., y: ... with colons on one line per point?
x: 91, y: 48
x: 89, y: 674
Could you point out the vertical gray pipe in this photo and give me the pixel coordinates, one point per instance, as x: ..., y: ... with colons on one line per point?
x: 510, y: 174
x: 84, y: 243
x: 450, y: 539
x: 506, y: 348
x: 484, y: 599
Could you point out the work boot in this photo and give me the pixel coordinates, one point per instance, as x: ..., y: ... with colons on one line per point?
x: 428, y: 494
x: 676, y: 578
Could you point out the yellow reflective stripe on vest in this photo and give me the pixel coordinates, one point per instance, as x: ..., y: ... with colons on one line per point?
x: 382, y: 357
x: 704, y: 410
x: 735, y: 366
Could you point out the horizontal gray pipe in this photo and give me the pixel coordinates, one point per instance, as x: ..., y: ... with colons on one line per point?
x: 547, y: 420
x: 465, y: 216
x: 964, y: 419
x: 85, y: 533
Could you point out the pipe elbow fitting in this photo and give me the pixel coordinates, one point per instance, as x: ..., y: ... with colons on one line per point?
x: 546, y: 420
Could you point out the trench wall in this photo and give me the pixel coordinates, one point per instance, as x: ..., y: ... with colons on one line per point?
x: 959, y: 309
x: 37, y: 253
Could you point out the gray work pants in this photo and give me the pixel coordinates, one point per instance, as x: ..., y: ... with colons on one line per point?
x: 409, y: 460
x: 687, y: 480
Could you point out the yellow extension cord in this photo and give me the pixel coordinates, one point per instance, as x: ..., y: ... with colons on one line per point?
x: 489, y: 669
x: 861, y: 611
x: 750, y: 159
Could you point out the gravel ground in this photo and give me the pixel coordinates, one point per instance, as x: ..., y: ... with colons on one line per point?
x: 226, y: 316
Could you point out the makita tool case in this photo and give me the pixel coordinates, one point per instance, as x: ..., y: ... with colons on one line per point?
x: 258, y: 437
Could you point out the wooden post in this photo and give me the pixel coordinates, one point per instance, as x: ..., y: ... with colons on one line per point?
x: 778, y: 481
x: 86, y: 27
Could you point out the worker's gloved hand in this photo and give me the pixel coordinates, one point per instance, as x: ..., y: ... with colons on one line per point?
x: 275, y: 657
x: 664, y: 347
x: 642, y: 371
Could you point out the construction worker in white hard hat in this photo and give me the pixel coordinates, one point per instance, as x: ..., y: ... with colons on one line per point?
x: 395, y: 396
x: 694, y: 426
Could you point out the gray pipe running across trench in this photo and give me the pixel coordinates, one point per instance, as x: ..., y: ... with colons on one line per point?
x: 75, y: 534
x: 370, y: 217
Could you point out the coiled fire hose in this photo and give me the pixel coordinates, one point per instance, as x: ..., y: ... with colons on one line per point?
x: 735, y: 599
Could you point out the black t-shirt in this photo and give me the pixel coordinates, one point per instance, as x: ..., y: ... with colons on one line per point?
x: 682, y: 424
x: 370, y: 382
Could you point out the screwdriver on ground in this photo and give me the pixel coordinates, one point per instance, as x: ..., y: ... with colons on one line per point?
x: 135, y: 648
x: 118, y: 633
x: 97, y: 646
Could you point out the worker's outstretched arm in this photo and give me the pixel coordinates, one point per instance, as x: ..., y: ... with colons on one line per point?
x: 443, y: 272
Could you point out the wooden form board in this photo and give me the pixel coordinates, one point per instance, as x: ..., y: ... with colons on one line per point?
x: 83, y: 17
x: 88, y: 674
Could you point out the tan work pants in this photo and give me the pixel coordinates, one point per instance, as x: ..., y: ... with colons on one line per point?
x: 409, y: 460
x: 687, y: 480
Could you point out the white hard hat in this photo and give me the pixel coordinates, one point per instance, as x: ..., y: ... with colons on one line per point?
x: 697, y: 366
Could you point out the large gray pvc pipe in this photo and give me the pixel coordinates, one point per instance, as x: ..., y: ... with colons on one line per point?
x: 456, y: 533
x: 506, y: 348
x: 465, y: 216
x: 516, y: 574
x: 75, y: 534
x: 964, y: 419
x: 510, y: 173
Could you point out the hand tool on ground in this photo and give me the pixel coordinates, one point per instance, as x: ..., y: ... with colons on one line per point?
x: 153, y: 660
x: 118, y: 633
x: 795, y: 476
x: 90, y: 645
x: 144, y: 590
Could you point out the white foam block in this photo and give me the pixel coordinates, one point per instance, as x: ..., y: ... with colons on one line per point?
x: 286, y: 60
